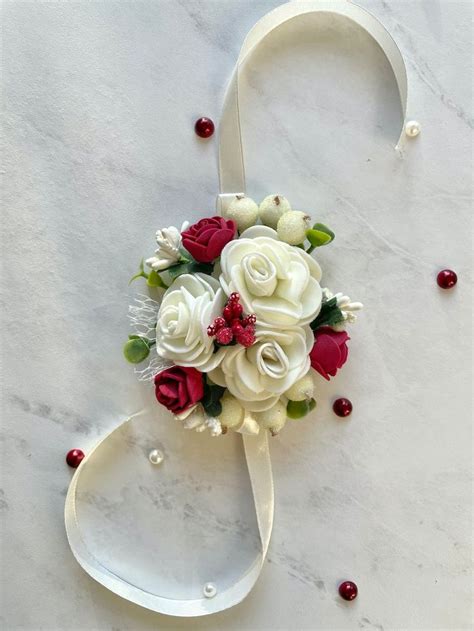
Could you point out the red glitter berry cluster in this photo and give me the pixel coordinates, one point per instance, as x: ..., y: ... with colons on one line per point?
x: 233, y: 326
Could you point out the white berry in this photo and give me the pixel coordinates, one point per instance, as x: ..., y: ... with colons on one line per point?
x: 302, y: 390
x: 292, y: 227
x: 244, y: 211
x: 272, y: 208
x: 273, y: 419
x: 232, y: 414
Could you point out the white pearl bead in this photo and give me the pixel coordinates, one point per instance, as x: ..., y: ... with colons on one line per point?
x: 412, y: 129
x: 155, y: 456
x: 210, y: 590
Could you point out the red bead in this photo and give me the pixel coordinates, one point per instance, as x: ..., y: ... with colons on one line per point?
x: 447, y: 278
x: 234, y: 297
x: 237, y: 327
x: 246, y: 337
x: 219, y: 323
x: 74, y: 457
x: 225, y: 335
x: 204, y: 127
x: 250, y: 320
x: 348, y: 590
x: 237, y: 309
x: 342, y: 407
x: 228, y: 313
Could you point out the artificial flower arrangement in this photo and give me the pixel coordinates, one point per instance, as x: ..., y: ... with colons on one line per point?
x: 243, y: 324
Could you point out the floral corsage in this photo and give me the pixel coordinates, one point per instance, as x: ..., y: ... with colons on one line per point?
x: 243, y: 324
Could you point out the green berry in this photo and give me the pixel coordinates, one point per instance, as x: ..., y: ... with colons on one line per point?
x: 136, y: 350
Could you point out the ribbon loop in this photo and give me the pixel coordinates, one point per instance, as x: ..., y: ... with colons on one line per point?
x: 231, y: 156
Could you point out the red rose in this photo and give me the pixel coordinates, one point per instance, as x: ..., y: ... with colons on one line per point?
x: 206, y: 239
x: 329, y: 352
x: 179, y: 388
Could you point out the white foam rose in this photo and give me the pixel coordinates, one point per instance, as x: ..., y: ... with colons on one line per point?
x: 187, y: 308
x: 277, y: 282
x: 258, y: 375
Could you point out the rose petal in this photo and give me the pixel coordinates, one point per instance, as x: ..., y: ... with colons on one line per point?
x: 194, y: 384
x: 344, y: 353
x: 197, y: 251
x: 182, y: 395
x: 217, y: 242
x: 326, y: 353
x: 168, y: 390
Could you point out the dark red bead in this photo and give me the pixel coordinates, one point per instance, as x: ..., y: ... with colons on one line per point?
x: 250, y: 320
x: 246, y: 337
x: 204, y: 127
x: 74, y: 458
x: 342, y: 407
x: 237, y: 309
x: 224, y: 335
x: 228, y: 313
x: 219, y: 323
x: 447, y: 278
x: 348, y: 590
x: 237, y: 327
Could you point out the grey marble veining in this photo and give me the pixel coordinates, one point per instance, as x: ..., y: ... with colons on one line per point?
x: 100, y: 101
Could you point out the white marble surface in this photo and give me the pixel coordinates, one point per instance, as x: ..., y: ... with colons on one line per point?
x: 100, y: 102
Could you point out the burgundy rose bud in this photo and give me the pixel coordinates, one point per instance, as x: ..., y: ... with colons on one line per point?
x: 206, y: 239
x: 178, y: 388
x: 329, y: 352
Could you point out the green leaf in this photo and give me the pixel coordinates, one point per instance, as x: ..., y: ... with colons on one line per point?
x: 322, y: 228
x: 297, y: 409
x: 317, y: 238
x: 211, y: 399
x: 155, y: 280
x: 329, y: 315
x: 191, y: 267
x: 213, y: 409
x: 136, y: 350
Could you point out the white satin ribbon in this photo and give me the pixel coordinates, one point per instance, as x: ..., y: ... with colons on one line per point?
x: 259, y: 466
x: 232, y: 181
x: 231, y: 156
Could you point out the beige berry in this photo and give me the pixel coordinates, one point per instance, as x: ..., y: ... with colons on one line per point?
x: 232, y: 414
x: 244, y: 211
x: 272, y: 208
x: 292, y: 227
x: 273, y: 419
x: 301, y: 390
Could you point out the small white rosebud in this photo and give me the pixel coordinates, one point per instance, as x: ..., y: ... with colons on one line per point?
x: 302, y: 390
x: 273, y: 419
x: 272, y: 208
x: 292, y: 227
x: 232, y: 414
x: 243, y: 210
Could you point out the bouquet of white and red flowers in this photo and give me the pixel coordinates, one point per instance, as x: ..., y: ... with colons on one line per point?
x: 243, y: 322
